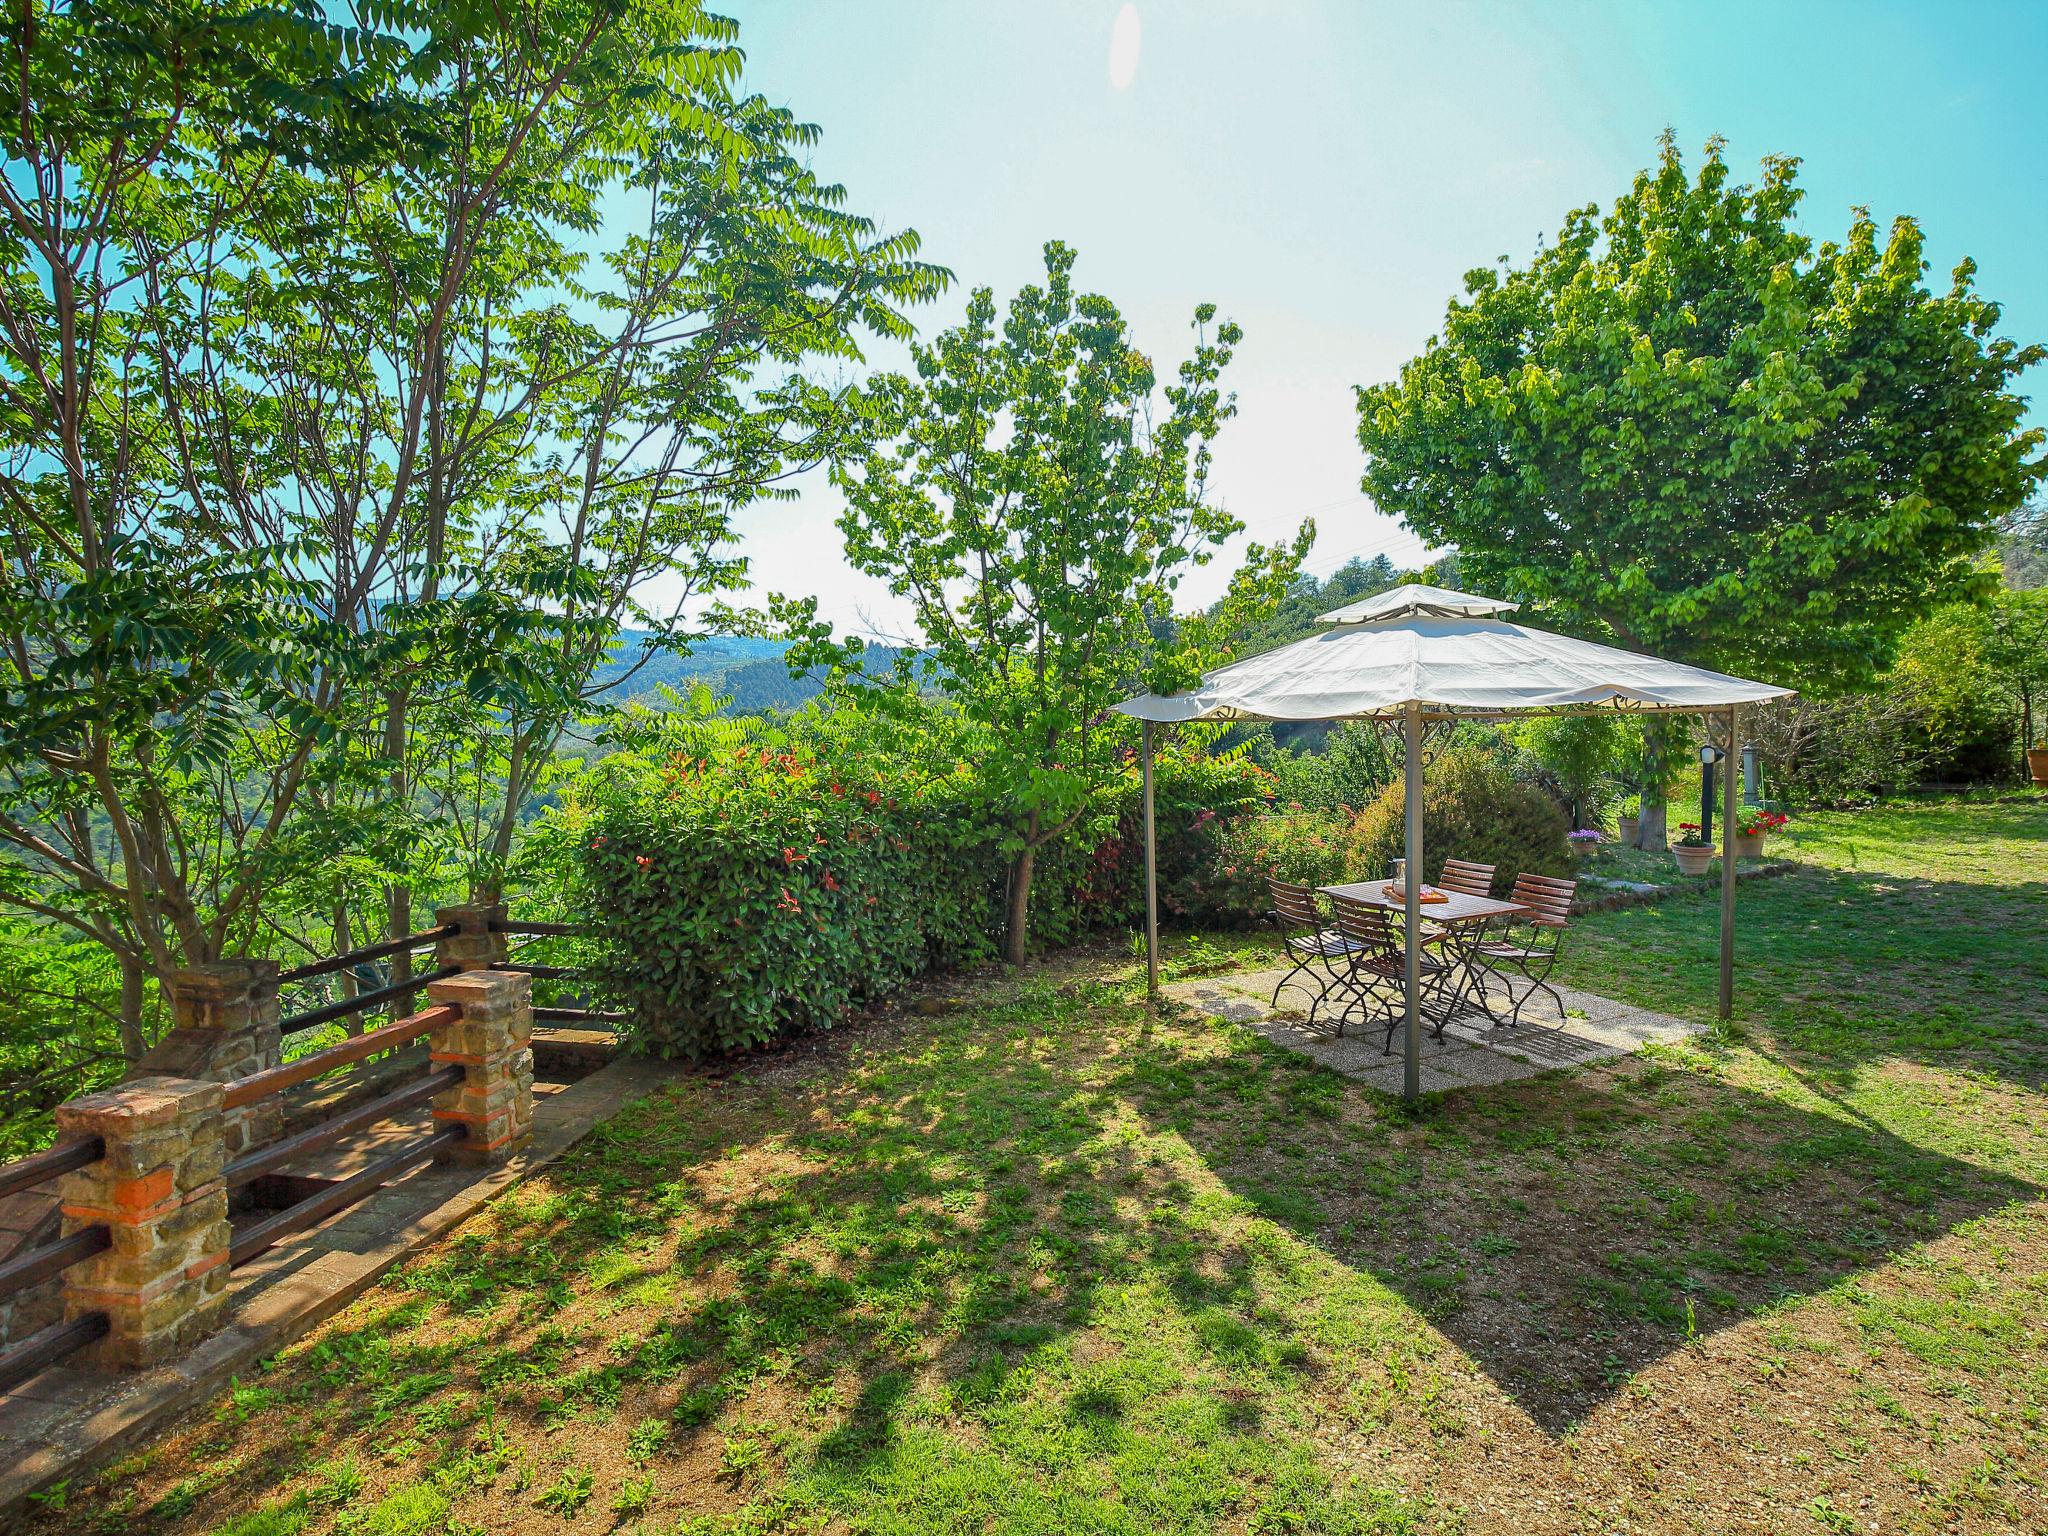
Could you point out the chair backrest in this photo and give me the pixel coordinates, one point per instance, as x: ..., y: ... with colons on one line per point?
x: 1467, y: 878
x: 1366, y: 925
x: 1549, y: 901
x: 1294, y: 904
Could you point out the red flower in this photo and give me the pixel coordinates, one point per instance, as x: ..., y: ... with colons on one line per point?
x: 599, y: 842
x: 830, y: 883
x: 642, y: 860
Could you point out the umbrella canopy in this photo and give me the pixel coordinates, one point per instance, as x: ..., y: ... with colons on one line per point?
x: 1444, y: 651
x: 1420, y: 653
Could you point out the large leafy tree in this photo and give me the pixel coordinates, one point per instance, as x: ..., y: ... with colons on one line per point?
x: 1686, y: 427
x: 343, y: 428
x: 1037, y: 496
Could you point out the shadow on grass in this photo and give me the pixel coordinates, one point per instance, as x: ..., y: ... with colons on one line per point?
x: 1569, y: 1232
x: 1015, y: 1263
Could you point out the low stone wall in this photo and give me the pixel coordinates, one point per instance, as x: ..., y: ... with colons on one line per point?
x: 1608, y: 900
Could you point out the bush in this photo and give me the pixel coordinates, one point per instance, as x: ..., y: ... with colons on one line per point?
x: 1354, y: 763
x: 1304, y: 846
x: 1474, y: 808
x: 1580, y: 760
x: 1846, y: 751
x: 743, y: 894
x: 745, y: 878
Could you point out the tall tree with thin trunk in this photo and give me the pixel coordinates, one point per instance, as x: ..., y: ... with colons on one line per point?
x: 1037, y: 496
x: 355, y: 387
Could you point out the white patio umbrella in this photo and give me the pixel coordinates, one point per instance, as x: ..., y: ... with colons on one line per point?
x: 1416, y: 654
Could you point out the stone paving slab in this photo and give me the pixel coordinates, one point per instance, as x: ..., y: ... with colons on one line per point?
x: 1472, y: 1052
x: 67, y: 1420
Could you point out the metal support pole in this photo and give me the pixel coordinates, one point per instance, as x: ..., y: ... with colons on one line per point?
x: 1411, y: 970
x: 1151, y: 874
x: 1728, y: 878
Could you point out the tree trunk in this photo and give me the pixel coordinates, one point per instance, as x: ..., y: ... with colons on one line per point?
x: 1019, y: 934
x: 1650, y: 828
x: 342, y: 938
x: 397, y: 895
x: 134, y: 988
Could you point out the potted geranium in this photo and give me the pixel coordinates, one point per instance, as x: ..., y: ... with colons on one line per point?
x: 1751, y: 831
x: 1692, y: 850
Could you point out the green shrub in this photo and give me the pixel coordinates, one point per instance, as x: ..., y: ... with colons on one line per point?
x: 740, y: 894
x: 1307, y: 847
x: 1346, y: 773
x: 1473, y: 807
x: 744, y: 879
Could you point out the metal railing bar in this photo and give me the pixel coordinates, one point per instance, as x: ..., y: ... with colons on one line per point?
x: 327, y: 967
x: 565, y: 930
x: 365, y: 1002
x: 543, y: 972
x: 24, y: 1270
x: 257, y: 1085
x: 340, y: 1196
x: 47, y: 1346
x: 576, y: 1016
x: 27, y: 1172
x: 264, y: 1160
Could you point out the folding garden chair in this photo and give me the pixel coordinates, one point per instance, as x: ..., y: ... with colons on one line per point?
x: 1311, y: 944
x: 1467, y: 878
x: 1374, y: 972
x: 1528, y: 946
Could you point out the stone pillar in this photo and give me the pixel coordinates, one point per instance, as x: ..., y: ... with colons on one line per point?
x: 490, y: 1038
x: 158, y: 1190
x: 225, y: 1026
x: 476, y: 947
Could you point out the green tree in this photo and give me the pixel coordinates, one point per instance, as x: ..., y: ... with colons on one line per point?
x: 1038, y: 508
x: 2023, y: 546
x: 1583, y: 752
x: 2017, y: 654
x: 1686, y: 428
x: 342, y: 431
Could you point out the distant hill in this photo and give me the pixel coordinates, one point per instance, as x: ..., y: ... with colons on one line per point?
x: 749, y: 672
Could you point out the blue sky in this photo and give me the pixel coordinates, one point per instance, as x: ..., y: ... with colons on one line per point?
x: 1327, y: 172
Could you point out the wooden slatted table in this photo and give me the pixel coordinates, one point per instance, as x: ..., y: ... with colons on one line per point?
x: 1463, y: 919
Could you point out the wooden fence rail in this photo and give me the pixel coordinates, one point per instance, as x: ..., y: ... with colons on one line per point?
x: 175, y: 1132
x: 27, y: 1172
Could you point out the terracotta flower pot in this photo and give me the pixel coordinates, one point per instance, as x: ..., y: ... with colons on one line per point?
x: 2037, y: 764
x: 1692, y: 861
x: 1629, y: 825
x: 1747, y: 847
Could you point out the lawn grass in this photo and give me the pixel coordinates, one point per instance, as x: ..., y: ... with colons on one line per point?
x: 1048, y: 1262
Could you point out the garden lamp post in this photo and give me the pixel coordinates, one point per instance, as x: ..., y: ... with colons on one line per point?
x: 1710, y: 755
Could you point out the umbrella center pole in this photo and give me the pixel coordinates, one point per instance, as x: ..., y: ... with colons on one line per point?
x: 1411, y: 969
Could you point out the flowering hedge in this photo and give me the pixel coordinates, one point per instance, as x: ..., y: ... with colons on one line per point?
x: 753, y: 881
